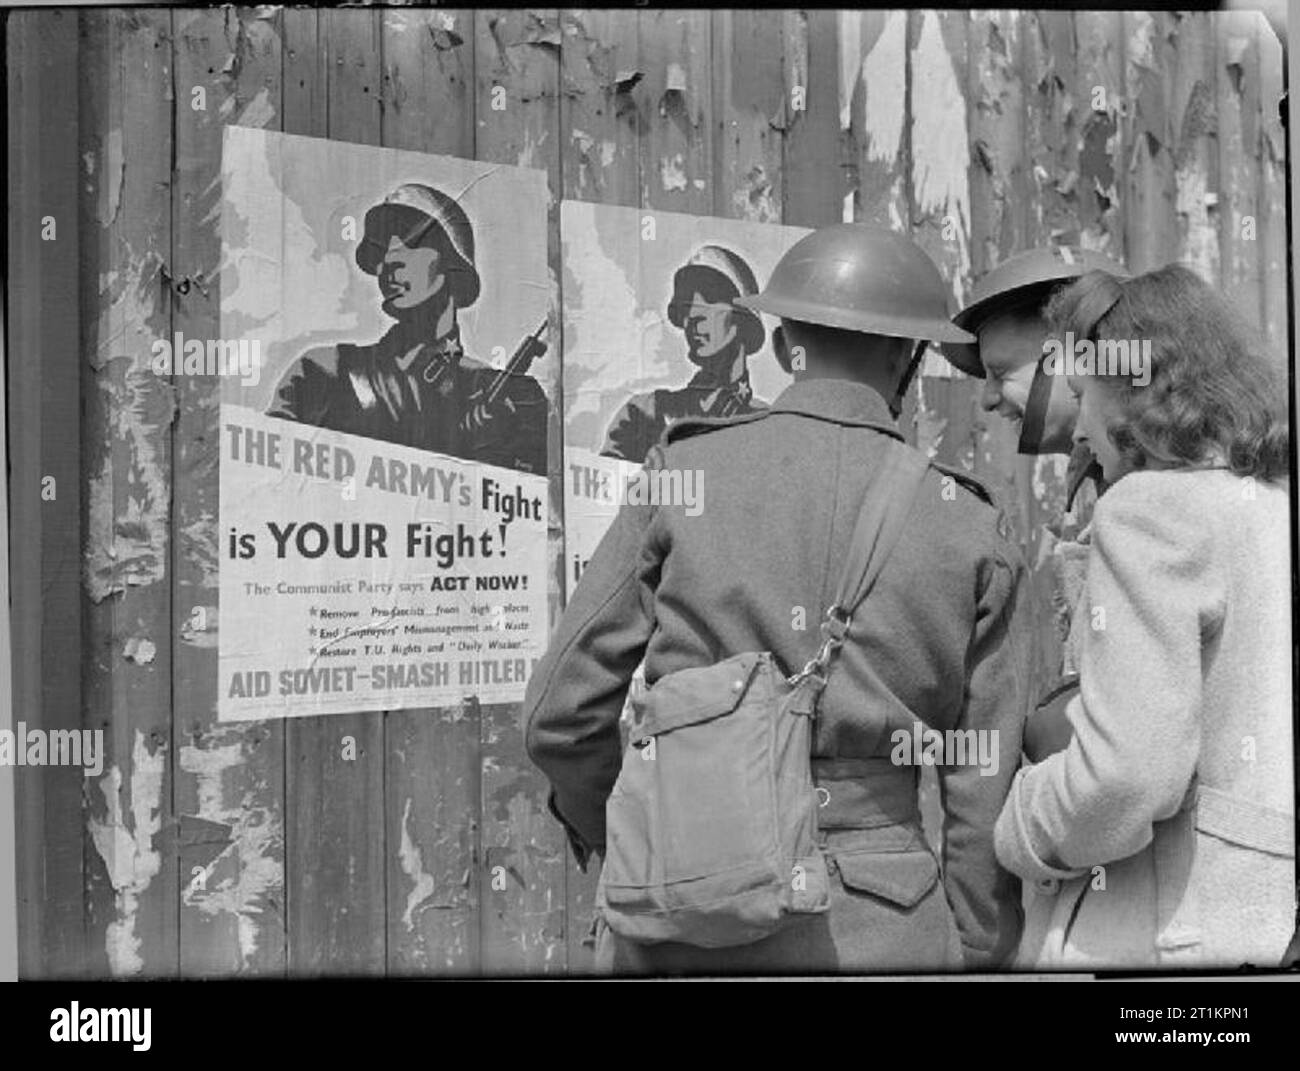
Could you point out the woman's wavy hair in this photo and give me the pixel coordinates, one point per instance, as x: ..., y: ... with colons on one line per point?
x: 1213, y: 389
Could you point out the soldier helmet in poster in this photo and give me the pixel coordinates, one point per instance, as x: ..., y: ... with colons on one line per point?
x: 420, y: 214
x: 860, y: 277
x: 1024, y: 278
x: 718, y: 275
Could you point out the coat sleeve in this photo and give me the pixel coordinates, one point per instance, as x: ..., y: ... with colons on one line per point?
x: 575, y: 697
x: 1152, y: 592
x: 307, y: 387
x: 634, y: 429
x: 984, y: 898
x: 513, y: 435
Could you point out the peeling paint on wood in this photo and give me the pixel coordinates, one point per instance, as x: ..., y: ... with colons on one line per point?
x: 1150, y: 223
x: 128, y: 497
x: 940, y: 155
x: 245, y: 881
x: 601, y: 107
x: 522, y: 925
x: 432, y: 767
x: 885, y: 112
x: 413, y: 867
x: 1237, y: 105
x: 820, y: 158
x: 229, y: 778
x: 1272, y: 195
x: 1097, y: 108
x: 123, y: 838
x: 1196, y: 156
x: 132, y: 898
x: 336, y: 834
x: 750, y: 115
x: 675, y: 48
x: 878, y: 118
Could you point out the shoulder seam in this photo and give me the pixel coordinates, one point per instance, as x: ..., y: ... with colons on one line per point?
x: 689, y: 426
x: 968, y: 480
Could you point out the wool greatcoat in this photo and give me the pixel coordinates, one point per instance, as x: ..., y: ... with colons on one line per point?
x: 943, y: 637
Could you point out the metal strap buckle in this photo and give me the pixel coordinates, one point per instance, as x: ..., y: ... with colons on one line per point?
x: 810, y: 669
x: 833, y: 630
x: 836, y: 625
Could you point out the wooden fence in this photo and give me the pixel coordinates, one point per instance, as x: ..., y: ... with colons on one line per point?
x: 216, y: 849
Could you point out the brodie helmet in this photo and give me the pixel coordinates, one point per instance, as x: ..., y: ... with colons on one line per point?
x: 860, y: 277
x: 1025, y: 278
x: 1014, y: 280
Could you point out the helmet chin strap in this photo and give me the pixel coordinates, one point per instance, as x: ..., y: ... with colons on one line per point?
x: 1083, y: 466
x: 1035, y: 418
x: 900, y: 392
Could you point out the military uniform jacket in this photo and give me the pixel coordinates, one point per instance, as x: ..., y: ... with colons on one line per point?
x: 364, y: 390
x: 942, y: 637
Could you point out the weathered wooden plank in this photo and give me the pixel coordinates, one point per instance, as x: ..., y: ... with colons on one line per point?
x: 749, y: 115
x: 873, y: 100
x: 428, y: 82
x: 522, y: 865
x: 335, y: 845
x: 1273, y: 194
x: 432, y: 786
x: 880, y: 76
x: 303, y: 105
x: 601, y: 88
x: 1048, y: 58
x: 936, y: 180
x: 1237, y: 106
x: 677, y: 150
x: 601, y: 121
x: 1099, y: 89
x: 229, y: 840
x: 1002, y: 196
x: 939, y: 185
x: 1149, y: 223
x: 132, y: 890
x: 44, y: 400
x: 1036, y: 485
x: 8, y: 804
x: 816, y: 180
x: 1196, y: 157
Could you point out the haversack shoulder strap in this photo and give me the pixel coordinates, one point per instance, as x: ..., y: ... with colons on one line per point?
x: 885, y: 509
x: 884, y: 512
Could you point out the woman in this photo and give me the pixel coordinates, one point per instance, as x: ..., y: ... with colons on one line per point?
x: 1163, y: 833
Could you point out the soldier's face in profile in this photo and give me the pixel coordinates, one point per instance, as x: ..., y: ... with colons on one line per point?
x: 709, y: 327
x: 408, y: 276
x: 1010, y: 347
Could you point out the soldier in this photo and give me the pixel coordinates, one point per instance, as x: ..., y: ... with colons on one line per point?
x: 415, y: 385
x: 720, y: 336
x: 940, y: 638
x: 1006, y: 313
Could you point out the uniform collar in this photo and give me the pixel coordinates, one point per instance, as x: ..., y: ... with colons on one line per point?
x: 840, y: 401
x: 702, y: 380
x: 420, y: 355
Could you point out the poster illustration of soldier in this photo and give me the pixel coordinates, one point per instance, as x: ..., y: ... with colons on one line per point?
x: 383, y: 472
x: 652, y: 335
